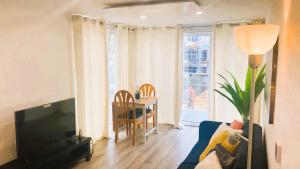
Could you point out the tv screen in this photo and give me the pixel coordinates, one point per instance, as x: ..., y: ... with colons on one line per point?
x: 43, y: 130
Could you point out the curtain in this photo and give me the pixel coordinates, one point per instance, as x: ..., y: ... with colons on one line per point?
x: 89, y: 37
x: 125, y: 52
x: 229, y: 58
x: 178, y: 121
x: 157, y: 60
x: 122, y: 55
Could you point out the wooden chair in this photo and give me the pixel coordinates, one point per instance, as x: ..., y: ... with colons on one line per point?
x: 149, y: 90
x: 124, y: 114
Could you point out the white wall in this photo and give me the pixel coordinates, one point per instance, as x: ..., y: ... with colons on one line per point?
x: 35, y: 64
x: 285, y: 130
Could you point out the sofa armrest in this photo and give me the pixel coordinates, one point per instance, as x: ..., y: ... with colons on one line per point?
x: 207, y: 129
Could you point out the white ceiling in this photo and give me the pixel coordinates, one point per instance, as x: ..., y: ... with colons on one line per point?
x: 185, y: 13
x: 18, y: 11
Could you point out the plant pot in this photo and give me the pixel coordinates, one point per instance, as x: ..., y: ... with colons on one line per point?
x: 137, y: 96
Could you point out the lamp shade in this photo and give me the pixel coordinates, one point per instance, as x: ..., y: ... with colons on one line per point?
x: 256, y: 39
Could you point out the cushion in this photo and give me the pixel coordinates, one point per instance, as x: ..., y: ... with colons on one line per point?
x: 225, y: 157
x: 237, y: 125
x: 210, y: 162
x: 138, y: 114
x: 148, y: 110
x: 258, y: 156
x: 222, y: 128
x: 221, y: 137
x: 229, y: 141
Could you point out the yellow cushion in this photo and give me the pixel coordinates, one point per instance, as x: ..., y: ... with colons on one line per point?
x: 221, y: 137
x: 231, y: 147
x: 225, y: 139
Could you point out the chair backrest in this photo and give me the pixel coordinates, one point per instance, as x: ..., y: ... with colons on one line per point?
x: 123, y: 104
x: 147, y: 90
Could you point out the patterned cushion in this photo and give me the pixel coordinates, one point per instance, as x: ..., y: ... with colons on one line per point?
x: 238, y: 125
x: 224, y: 127
x: 229, y: 141
x: 221, y: 137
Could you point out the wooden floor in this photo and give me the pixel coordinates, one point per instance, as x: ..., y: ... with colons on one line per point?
x: 166, y: 150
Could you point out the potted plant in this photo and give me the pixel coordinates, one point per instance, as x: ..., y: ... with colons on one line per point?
x: 137, y: 93
x: 237, y: 96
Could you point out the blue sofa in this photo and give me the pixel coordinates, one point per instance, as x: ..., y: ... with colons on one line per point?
x: 207, y: 129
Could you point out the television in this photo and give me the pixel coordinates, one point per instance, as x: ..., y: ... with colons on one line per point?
x: 44, y: 130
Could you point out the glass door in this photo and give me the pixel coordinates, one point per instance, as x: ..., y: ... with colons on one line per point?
x: 196, y: 75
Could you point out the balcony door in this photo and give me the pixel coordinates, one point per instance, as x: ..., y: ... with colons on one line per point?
x: 197, y: 47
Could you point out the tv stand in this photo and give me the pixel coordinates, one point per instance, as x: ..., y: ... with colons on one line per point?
x: 66, y: 158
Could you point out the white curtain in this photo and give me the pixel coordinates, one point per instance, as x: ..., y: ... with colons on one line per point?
x: 89, y: 37
x: 122, y: 55
x: 158, y: 60
x: 125, y: 56
x: 178, y: 121
x: 228, y: 58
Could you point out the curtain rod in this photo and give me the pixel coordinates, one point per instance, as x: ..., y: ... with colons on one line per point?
x: 233, y: 22
x: 196, y: 26
x: 241, y: 21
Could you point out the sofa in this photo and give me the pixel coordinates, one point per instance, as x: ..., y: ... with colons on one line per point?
x: 207, y: 129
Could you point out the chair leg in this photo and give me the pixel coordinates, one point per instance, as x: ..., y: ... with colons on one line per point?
x: 133, y: 136
x: 153, y: 117
x: 127, y: 128
x: 116, y: 133
x: 146, y: 123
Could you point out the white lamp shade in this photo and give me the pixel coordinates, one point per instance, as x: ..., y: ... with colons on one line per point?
x: 256, y: 39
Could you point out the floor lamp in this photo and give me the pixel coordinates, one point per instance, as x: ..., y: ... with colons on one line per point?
x: 255, y: 41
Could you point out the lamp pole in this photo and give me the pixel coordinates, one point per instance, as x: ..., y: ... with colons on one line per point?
x: 255, y: 40
x: 254, y: 62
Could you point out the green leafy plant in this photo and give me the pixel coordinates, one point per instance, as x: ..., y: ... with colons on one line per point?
x: 237, y: 96
x: 137, y: 93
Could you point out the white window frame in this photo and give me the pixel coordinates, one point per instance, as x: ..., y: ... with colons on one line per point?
x: 206, y: 30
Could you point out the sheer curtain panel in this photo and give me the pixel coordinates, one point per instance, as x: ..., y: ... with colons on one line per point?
x: 90, y: 46
x: 229, y: 58
x: 158, y: 61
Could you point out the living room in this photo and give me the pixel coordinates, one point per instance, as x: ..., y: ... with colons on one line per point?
x: 168, y: 59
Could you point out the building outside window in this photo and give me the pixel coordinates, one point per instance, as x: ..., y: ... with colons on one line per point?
x: 196, y: 50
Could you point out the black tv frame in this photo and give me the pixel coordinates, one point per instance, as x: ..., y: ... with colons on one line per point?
x: 42, y: 106
x: 78, y: 147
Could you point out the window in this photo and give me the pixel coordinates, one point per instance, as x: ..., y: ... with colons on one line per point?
x: 195, y: 102
x: 112, y: 65
x: 112, y: 70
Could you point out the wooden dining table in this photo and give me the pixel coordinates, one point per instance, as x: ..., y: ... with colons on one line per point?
x: 143, y: 103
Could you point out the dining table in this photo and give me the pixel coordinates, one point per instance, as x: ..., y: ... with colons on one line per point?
x: 143, y: 103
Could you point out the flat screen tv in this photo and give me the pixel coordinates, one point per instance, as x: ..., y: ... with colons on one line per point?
x: 44, y: 130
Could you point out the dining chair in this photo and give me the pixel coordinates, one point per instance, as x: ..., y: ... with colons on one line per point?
x: 125, y: 114
x: 148, y: 90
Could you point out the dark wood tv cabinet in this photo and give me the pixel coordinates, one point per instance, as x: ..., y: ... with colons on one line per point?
x: 75, y: 150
